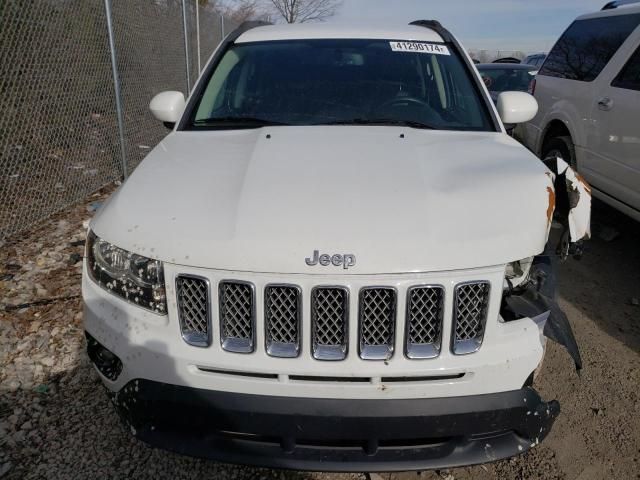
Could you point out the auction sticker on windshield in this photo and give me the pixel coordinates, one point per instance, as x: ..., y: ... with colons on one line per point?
x: 419, y: 47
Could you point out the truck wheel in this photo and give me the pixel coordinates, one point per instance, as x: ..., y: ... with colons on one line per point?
x: 560, y: 147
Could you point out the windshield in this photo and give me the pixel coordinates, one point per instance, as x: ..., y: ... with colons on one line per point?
x: 320, y: 82
x: 507, y: 79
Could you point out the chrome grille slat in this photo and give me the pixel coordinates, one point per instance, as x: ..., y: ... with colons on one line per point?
x: 329, y: 322
x: 194, y: 309
x: 470, y: 316
x: 237, y: 316
x: 282, y: 320
x: 377, y: 317
x: 425, y: 308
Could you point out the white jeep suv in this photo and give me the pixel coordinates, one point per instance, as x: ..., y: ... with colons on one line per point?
x: 334, y: 260
x: 588, y: 91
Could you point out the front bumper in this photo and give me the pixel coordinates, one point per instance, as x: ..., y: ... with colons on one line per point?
x: 335, y: 434
x: 151, y: 347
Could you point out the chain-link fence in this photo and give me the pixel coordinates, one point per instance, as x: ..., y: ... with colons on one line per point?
x: 59, y: 135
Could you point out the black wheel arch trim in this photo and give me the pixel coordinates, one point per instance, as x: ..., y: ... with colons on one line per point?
x: 545, y: 137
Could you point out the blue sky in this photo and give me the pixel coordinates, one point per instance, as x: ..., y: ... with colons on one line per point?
x: 528, y: 25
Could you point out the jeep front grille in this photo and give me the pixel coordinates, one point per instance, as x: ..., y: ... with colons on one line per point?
x: 377, y: 322
x: 237, y: 316
x: 194, y: 309
x: 425, y: 308
x: 421, y: 320
x: 470, y: 316
x: 329, y: 322
x: 282, y: 314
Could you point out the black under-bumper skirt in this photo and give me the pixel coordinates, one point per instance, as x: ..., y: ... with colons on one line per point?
x: 334, y: 434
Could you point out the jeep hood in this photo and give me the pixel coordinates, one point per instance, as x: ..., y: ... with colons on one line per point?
x: 263, y: 200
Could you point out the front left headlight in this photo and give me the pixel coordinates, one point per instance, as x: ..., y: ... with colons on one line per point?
x: 137, y: 279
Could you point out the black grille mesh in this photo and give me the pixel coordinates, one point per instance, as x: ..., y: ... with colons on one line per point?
x: 236, y: 310
x: 472, y: 300
x: 424, y: 315
x: 377, y: 316
x: 282, y: 315
x: 329, y: 312
x: 193, y: 308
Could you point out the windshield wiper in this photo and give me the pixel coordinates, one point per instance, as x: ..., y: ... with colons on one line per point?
x: 382, y: 122
x: 236, y: 122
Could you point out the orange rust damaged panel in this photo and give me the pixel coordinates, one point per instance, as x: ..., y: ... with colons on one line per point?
x: 552, y: 204
x: 584, y: 183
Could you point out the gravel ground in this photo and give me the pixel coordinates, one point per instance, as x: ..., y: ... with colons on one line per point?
x: 56, y: 421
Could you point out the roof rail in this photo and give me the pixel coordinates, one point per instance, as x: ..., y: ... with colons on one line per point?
x: 618, y: 3
x: 436, y: 26
x: 247, y: 25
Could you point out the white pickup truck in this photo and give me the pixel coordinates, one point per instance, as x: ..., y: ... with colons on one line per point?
x: 337, y: 260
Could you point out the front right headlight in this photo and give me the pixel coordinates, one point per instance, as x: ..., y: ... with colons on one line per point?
x: 137, y: 279
x: 517, y: 273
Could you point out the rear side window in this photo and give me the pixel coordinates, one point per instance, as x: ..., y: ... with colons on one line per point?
x: 587, y: 46
x: 629, y: 76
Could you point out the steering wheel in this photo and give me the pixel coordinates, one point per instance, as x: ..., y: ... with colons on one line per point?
x: 400, y: 100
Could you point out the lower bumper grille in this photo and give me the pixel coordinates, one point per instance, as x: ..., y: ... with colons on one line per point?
x: 334, y: 434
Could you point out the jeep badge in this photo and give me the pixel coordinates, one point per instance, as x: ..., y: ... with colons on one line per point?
x: 346, y: 260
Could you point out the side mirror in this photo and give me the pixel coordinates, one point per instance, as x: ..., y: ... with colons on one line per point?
x: 516, y: 107
x: 168, y: 107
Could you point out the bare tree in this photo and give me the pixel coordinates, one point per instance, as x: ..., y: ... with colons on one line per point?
x: 301, y: 11
x: 237, y: 11
x: 242, y: 10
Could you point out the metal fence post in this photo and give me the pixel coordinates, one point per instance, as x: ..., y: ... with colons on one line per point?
x: 222, y: 26
x: 198, y: 34
x: 116, y: 87
x: 186, y: 44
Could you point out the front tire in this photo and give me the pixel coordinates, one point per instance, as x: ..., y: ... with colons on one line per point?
x: 562, y: 147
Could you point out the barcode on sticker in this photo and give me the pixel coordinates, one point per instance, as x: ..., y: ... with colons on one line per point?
x: 419, y: 47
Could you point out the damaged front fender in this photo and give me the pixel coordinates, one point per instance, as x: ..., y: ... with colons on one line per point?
x: 572, y: 200
x: 536, y: 299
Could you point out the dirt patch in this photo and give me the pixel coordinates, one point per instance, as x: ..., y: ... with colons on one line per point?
x: 56, y: 422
